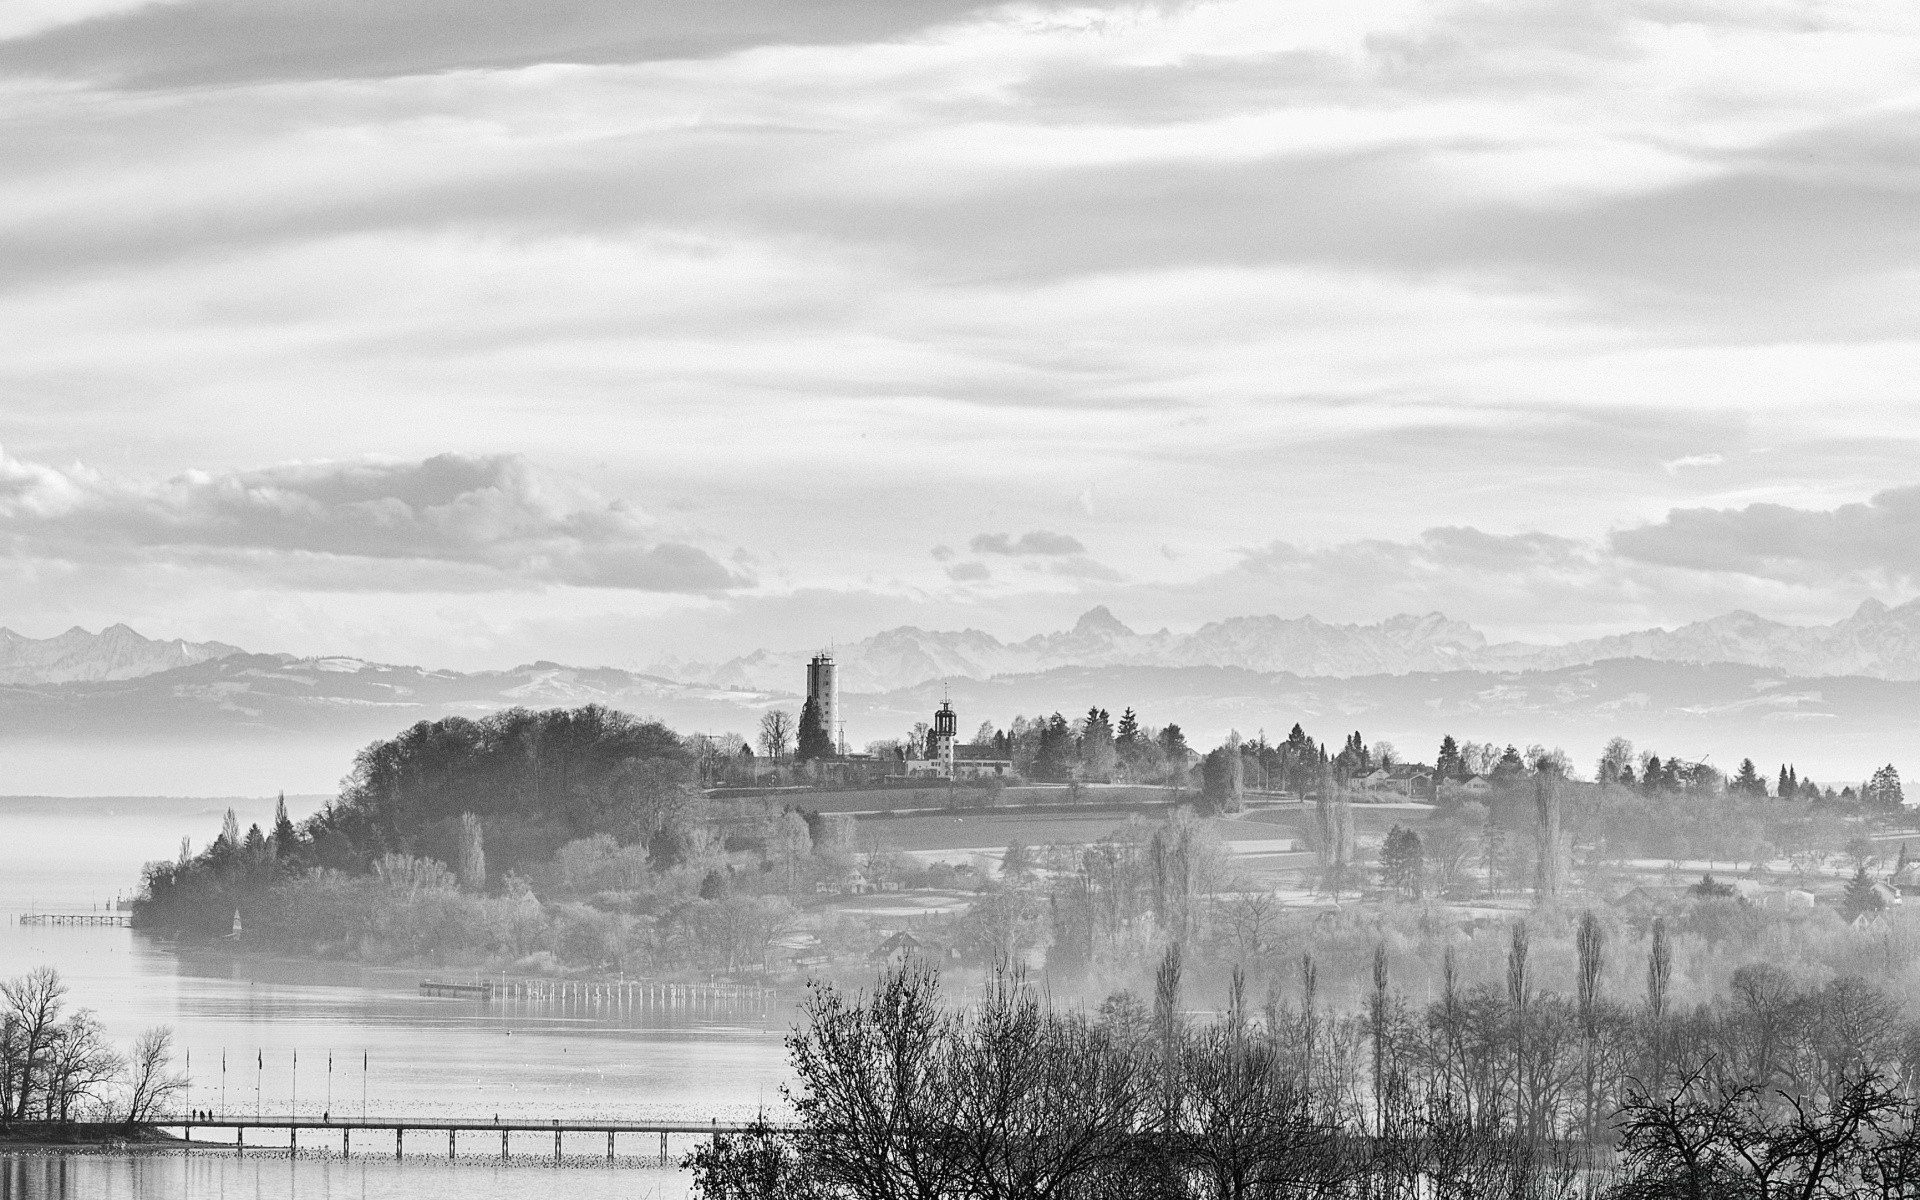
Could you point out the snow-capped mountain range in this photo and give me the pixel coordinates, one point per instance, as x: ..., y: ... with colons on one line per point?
x: 116, y: 652
x: 1876, y: 641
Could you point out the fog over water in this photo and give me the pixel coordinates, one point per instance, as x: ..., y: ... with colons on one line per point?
x: 423, y: 1056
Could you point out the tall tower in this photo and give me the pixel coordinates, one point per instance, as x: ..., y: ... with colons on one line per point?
x: 946, y: 731
x: 823, y: 688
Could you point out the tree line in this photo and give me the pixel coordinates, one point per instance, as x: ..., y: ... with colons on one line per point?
x: 1491, y: 1089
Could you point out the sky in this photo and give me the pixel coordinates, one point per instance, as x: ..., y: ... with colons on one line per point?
x: 471, y: 332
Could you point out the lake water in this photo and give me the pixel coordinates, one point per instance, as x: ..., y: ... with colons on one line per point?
x: 421, y: 1056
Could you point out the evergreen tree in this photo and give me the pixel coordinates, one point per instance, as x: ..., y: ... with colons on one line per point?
x: 1747, y: 781
x: 1403, y: 862
x: 1883, y: 790
x: 1784, y: 788
x: 1511, y: 765
x: 1054, y: 757
x: 1654, y: 777
x: 285, y: 838
x: 816, y: 740
x: 1096, y: 744
x: 1128, y: 732
x: 1448, y: 764
x: 1861, y: 898
x: 1173, y: 744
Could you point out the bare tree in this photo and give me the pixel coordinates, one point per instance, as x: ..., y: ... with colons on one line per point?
x: 776, y: 731
x: 31, y: 1023
x: 151, y: 1084
x: 79, y: 1067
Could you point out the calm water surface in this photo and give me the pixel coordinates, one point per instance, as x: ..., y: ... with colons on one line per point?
x: 421, y: 1056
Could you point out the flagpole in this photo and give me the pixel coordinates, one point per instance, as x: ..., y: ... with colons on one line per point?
x: 363, y: 1085
x: 329, y: 1108
x: 259, y: 1075
x: 223, y: 1081
x: 294, y: 1104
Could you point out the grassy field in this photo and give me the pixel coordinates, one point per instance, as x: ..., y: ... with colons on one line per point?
x: 995, y: 828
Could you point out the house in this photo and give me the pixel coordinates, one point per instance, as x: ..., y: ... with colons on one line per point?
x: 903, y: 946
x: 1470, y: 786
x: 1411, y: 780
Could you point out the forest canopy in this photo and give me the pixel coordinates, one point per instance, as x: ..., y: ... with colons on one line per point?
x: 535, y: 780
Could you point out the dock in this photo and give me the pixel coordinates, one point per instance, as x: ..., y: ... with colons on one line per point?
x: 624, y: 992
x: 400, y: 1127
x: 116, y: 920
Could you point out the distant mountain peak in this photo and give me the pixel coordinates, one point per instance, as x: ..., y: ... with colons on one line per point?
x: 1875, y: 641
x: 1100, y: 620
x: 116, y: 652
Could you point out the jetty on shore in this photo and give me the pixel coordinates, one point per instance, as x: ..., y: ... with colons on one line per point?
x: 625, y: 992
x: 400, y: 1127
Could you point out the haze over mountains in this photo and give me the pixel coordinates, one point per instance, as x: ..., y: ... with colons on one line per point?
x: 1876, y: 641
x: 116, y: 652
x: 111, y: 713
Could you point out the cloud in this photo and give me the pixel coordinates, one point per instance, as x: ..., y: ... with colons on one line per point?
x: 1039, y: 542
x: 1773, y: 541
x: 1079, y: 566
x: 195, y: 42
x: 467, y: 522
x: 969, y: 572
x: 941, y: 553
x: 1675, y: 465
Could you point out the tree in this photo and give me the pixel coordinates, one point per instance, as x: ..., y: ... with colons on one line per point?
x: 1017, y: 863
x: 815, y: 739
x: 1054, y: 757
x: 1097, y: 755
x: 1510, y: 766
x: 1402, y: 862
x: 1659, y: 970
x: 1862, y: 899
x: 1747, y: 781
x: 286, y: 839
x: 1223, y: 777
x: 1883, y: 790
x: 1173, y: 746
x: 1447, y: 764
x: 776, y: 731
x: 151, y: 1085
x: 1616, y: 762
x: 473, y: 854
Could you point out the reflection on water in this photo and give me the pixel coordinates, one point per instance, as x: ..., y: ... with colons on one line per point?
x: 205, y: 1175
x: 328, y: 1037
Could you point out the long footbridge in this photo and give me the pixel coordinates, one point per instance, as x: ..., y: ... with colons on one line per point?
x: 284, y: 1132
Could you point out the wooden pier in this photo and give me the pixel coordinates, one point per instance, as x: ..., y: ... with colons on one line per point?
x: 116, y: 920
x: 629, y: 993
x: 400, y: 1127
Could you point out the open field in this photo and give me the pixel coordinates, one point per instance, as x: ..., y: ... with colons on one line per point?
x: 998, y: 827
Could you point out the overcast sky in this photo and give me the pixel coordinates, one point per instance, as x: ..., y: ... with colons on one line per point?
x: 468, y: 332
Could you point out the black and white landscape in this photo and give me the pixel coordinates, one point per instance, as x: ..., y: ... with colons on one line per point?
x: 959, y: 599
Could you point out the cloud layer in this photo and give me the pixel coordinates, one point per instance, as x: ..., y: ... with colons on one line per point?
x: 1879, y: 538
x: 1562, y: 318
x: 450, y: 521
